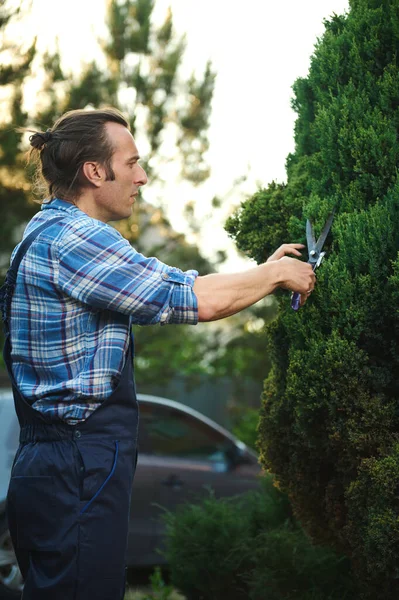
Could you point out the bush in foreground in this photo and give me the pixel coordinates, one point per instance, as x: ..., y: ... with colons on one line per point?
x: 249, y: 547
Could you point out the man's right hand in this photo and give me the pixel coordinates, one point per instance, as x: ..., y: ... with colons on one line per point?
x: 296, y: 276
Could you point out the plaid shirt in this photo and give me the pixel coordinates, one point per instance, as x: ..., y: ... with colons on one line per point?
x: 79, y: 289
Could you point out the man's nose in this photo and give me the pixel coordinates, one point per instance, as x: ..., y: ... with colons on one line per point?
x: 141, y: 178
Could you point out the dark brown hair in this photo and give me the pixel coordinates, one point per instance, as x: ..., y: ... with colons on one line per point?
x: 60, y: 152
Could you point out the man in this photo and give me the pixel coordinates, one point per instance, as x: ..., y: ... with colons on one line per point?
x: 73, y: 291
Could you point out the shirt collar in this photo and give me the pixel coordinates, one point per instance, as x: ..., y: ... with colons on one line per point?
x: 59, y: 204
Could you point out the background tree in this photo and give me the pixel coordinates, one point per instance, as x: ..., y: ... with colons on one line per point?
x: 142, y: 77
x: 330, y: 421
x: 15, y: 65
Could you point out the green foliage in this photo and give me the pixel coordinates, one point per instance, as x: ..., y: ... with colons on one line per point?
x: 373, y: 519
x: 245, y: 425
x: 249, y: 547
x: 329, y: 421
x: 288, y: 566
x: 163, y: 353
x: 194, y: 122
x: 203, y: 550
x: 250, y: 226
x: 159, y: 589
x: 245, y: 344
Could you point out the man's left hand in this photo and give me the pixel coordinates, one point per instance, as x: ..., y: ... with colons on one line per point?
x: 286, y: 249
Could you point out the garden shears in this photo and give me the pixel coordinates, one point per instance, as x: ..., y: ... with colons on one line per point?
x: 314, y: 250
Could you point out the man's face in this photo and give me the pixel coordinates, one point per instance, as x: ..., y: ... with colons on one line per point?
x: 115, y: 199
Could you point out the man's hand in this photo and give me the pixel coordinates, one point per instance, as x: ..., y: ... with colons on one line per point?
x: 296, y: 276
x: 286, y: 249
x: 294, y: 249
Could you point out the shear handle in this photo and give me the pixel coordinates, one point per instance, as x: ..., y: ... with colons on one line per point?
x: 296, y: 296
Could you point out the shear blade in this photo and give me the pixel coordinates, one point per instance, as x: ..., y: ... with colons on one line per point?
x: 310, y: 238
x: 324, y: 233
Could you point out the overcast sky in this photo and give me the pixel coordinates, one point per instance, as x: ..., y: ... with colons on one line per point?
x: 258, y: 48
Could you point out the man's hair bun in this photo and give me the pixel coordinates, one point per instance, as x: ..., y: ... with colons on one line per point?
x: 39, y: 139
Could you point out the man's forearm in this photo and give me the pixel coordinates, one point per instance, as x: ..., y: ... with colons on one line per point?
x: 223, y: 294
x: 220, y: 295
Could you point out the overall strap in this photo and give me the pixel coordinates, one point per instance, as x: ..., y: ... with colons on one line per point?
x: 7, y: 290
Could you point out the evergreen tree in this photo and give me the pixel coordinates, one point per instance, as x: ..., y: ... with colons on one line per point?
x: 143, y: 79
x: 329, y: 424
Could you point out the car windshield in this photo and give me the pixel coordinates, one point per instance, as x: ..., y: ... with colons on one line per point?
x: 168, y: 432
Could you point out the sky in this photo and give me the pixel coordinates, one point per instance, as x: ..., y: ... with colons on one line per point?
x: 258, y: 49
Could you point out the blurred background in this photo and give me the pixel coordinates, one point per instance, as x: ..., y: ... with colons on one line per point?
x: 207, y: 90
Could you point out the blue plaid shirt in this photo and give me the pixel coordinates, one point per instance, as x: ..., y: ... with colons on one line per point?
x: 79, y: 289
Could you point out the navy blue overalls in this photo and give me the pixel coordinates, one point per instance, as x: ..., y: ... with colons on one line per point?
x: 70, y: 488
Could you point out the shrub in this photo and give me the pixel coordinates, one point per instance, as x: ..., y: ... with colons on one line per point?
x: 330, y: 421
x: 249, y: 547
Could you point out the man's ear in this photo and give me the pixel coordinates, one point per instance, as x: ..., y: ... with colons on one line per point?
x: 94, y: 173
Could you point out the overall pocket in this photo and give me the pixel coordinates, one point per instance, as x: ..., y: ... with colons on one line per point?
x: 98, y: 462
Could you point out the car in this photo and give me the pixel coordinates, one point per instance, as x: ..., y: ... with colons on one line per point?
x: 182, y: 455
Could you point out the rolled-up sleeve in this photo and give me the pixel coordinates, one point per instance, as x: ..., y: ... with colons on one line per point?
x: 183, y: 307
x: 98, y: 267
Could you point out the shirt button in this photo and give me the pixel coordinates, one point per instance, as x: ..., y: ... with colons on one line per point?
x: 165, y: 276
x: 78, y: 434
